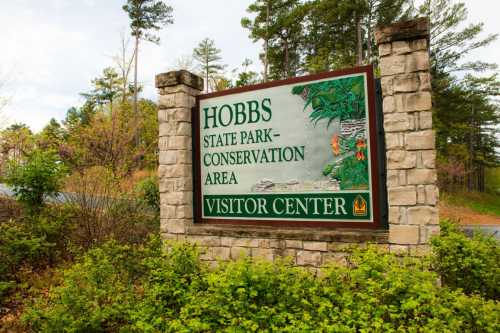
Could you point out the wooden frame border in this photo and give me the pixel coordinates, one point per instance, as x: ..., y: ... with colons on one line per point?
x: 375, y: 126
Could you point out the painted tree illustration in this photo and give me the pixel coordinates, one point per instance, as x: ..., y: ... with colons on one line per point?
x: 344, y: 100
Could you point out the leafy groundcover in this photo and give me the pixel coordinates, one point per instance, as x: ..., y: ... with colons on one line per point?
x: 121, y: 288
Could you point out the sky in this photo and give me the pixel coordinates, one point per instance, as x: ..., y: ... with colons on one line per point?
x: 52, y: 49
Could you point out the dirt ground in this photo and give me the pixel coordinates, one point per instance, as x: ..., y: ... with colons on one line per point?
x: 466, y: 216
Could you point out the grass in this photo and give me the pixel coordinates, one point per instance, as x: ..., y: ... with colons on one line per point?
x: 483, y: 203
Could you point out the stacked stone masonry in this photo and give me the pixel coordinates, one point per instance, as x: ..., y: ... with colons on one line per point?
x: 411, y: 174
x: 410, y: 140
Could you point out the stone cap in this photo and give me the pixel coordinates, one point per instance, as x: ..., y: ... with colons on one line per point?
x: 175, y: 78
x: 403, y: 30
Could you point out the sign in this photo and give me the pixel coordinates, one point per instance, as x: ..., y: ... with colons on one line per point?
x: 298, y: 152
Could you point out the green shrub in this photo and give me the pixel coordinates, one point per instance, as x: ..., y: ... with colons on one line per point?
x: 144, y: 289
x: 18, y: 247
x: 149, y: 192
x: 470, y: 264
x: 97, y: 295
x: 40, y: 175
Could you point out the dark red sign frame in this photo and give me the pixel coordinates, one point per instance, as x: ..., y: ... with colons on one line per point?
x: 375, y: 126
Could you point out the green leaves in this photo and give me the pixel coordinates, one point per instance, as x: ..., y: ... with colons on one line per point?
x: 149, y: 289
x: 334, y: 99
x: 146, y: 15
x: 468, y: 264
x: 41, y: 175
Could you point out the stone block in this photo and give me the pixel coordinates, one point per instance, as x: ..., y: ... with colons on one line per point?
x: 178, y: 198
x: 338, y: 246
x: 166, y: 185
x: 173, y: 226
x: 415, y: 29
x: 428, y: 159
x: 183, y: 128
x: 431, y: 195
x: 176, y: 100
x: 402, y: 177
x: 401, y: 47
x: 387, y: 87
x: 420, y: 140
x: 167, y: 157
x: 401, y: 159
x: 166, y: 129
x: 417, y: 61
x: 207, y: 241
x: 423, y: 215
x: 179, y: 142
x: 184, y: 184
x: 418, y: 44
x: 402, y: 196
x: 384, y: 49
x: 244, y: 242
x: 405, y: 83
x: 179, y: 78
x: 185, y: 156
x: 425, y: 120
x: 267, y: 254
x: 315, y: 246
x: 183, y: 114
x: 397, y: 122
x: 167, y: 212
x: 388, y: 104
x: 419, y: 250
x: 309, y: 258
x: 392, y: 178
x: 392, y: 65
x: 239, y: 252
x: 399, y: 250
x: 420, y: 194
x: 394, y: 141
x: 397, y: 215
x: 163, y: 143
x: 179, y: 88
x: 184, y: 212
x: 427, y: 231
x: 221, y: 253
x: 335, y: 258
x: 421, y: 176
x: 404, y: 234
x: 411, y: 102
x: 289, y: 254
x: 425, y: 81
x: 163, y: 115
x: 293, y: 244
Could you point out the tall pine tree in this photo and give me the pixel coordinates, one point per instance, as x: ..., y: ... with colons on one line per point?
x: 208, y: 58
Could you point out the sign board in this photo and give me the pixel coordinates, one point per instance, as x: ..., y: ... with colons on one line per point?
x: 297, y: 152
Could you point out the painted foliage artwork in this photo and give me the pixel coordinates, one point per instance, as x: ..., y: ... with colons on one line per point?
x: 297, y: 152
x: 344, y: 100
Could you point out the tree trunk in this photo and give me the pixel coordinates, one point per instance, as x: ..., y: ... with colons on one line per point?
x: 135, y: 74
x: 359, y: 47
x: 266, y: 43
x: 206, y: 75
x: 287, y: 60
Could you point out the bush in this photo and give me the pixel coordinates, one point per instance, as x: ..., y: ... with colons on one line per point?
x: 149, y: 192
x: 144, y: 289
x: 470, y: 264
x: 39, y: 176
x: 18, y: 247
x: 104, y: 213
x: 98, y: 293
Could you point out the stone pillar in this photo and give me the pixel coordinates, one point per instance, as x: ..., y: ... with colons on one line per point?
x: 177, y: 91
x: 410, y: 141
